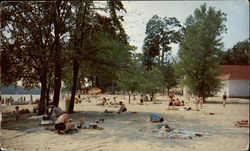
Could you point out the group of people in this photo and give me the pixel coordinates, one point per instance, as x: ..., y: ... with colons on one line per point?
x: 16, y: 113
x: 175, y: 102
x: 122, y: 109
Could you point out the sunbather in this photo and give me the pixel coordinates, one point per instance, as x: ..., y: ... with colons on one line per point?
x: 106, y: 111
x: 156, y: 118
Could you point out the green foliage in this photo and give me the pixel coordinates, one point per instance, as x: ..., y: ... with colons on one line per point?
x: 238, y: 55
x: 160, y: 33
x: 152, y: 81
x: 170, y: 77
x: 199, y: 51
x: 138, y: 79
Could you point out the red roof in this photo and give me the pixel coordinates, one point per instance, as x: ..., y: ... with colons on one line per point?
x: 234, y: 72
x: 224, y: 76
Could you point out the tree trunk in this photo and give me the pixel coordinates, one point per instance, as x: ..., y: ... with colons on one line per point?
x: 48, y: 89
x: 57, y: 60
x: 97, y: 82
x: 129, y: 97
x: 76, y: 66
x: 41, y: 105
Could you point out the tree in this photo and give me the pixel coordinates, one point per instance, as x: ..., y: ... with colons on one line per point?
x: 199, y: 49
x: 238, y: 55
x: 87, y: 22
x: 129, y: 79
x: 138, y: 79
x: 33, y: 37
x: 61, y: 20
x: 27, y: 42
x: 151, y: 82
x: 160, y: 33
x: 170, y: 77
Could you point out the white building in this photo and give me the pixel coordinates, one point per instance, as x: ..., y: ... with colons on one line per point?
x: 235, y: 80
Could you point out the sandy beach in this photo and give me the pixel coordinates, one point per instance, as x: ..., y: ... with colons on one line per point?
x: 133, y: 131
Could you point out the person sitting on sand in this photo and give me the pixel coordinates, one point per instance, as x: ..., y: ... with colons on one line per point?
x: 156, y: 118
x: 171, y: 102
x: 104, y: 100
x: 16, y: 113
x: 177, y: 102
x: 182, y: 103
x: 115, y: 103
x: 122, y: 108
x: 64, y: 123
x: 141, y: 100
x: 171, y: 95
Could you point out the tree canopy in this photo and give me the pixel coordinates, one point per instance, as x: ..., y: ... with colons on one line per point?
x: 238, y: 55
x: 199, y: 51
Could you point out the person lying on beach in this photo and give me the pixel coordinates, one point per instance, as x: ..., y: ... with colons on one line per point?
x: 84, y: 125
x: 24, y: 111
x: 106, y: 111
x: 155, y: 118
x: 64, y: 124
x: 123, y: 108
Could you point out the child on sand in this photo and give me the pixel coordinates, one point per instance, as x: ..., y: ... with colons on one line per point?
x: 16, y: 113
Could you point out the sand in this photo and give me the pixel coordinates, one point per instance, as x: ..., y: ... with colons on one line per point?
x: 133, y: 131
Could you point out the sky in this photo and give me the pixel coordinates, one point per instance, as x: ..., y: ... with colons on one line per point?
x: 139, y: 13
